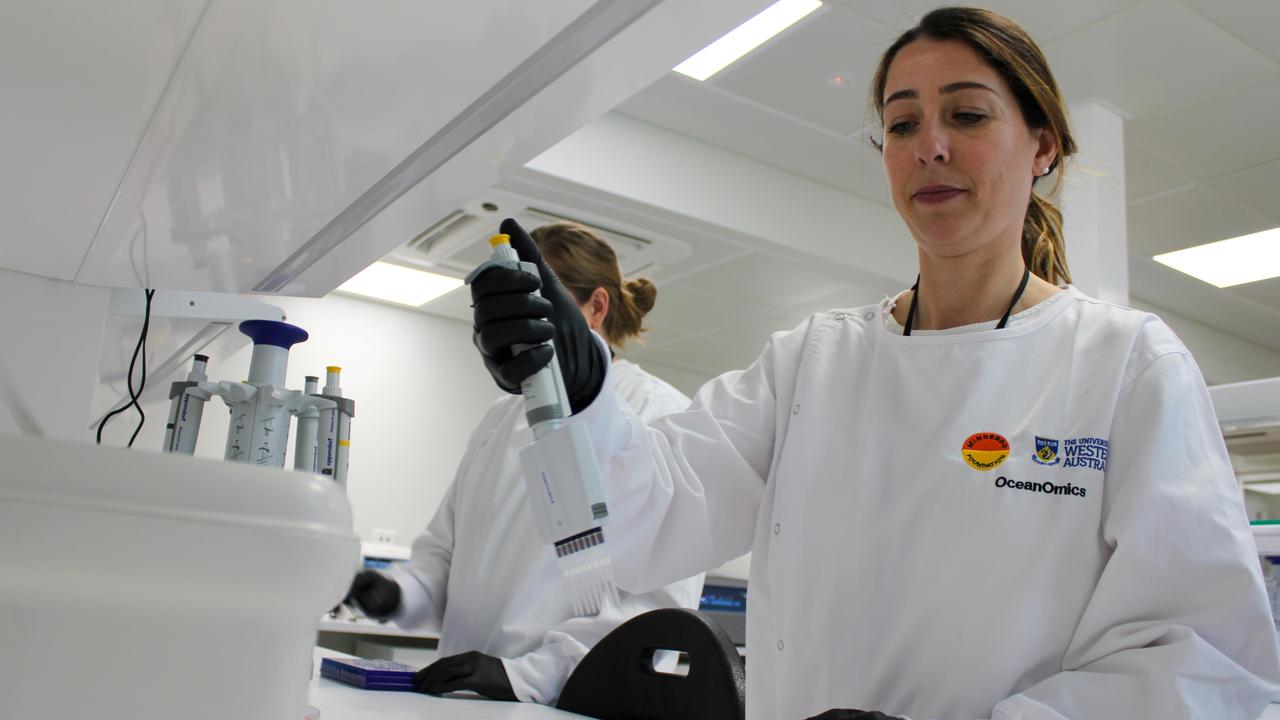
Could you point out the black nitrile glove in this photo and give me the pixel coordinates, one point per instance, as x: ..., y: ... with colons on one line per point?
x: 854, y: 715
x: 376, y: 594
x: 472, y: 671
x: 506, y: 315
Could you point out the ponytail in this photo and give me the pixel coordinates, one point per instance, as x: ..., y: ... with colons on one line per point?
x: 1043, y: 247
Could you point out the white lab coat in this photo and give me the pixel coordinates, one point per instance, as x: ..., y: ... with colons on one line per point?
x: 481, y: 576
x: 890, y: 574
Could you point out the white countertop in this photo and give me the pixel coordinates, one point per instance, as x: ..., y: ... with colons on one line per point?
x: 337, y: 701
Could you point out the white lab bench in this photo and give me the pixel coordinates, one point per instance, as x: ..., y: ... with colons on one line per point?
x: 337, y: 701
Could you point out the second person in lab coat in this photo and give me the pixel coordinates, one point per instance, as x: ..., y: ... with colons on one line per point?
x: 479, y: 573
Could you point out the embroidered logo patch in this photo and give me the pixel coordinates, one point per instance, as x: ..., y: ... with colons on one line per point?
x: 1089, y: 453
x: 985, y: 450
x: 1046, y: 452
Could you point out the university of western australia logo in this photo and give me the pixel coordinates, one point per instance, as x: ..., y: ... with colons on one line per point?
x: 1046, y: 452
x: 985, y: 450
x: 1089, y: 453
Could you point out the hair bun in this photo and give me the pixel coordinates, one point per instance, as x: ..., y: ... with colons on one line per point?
x: 643, y: 294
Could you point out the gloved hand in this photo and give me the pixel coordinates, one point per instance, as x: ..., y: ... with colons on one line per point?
x: 506, y: 315
x: 472, y: 671
x: 376, y: 594
x: 854, y: 715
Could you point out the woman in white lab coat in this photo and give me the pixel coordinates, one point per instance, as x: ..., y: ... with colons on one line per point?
x: 990, y: 496
x: 479, y: 573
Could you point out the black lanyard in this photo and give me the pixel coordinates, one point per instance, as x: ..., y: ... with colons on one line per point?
x: 915, y: 295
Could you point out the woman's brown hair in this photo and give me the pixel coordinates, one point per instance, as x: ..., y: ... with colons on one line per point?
x: 584, y: 262
x: 1010, y: 51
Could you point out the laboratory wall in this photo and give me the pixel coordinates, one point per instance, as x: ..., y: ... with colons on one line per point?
x: 1222, y: 358
x: 419, y: 389
x: 52, y: 336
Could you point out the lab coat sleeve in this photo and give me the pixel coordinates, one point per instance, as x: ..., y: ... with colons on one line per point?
x: 1178, y: 625
x: 539, y: 676
x: 684, y: 492
x: 424, y: 583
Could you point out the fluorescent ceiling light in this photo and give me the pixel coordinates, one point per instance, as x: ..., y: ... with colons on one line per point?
x: 399, y: 284
x: 746, y: 37
x: 1245, y: 259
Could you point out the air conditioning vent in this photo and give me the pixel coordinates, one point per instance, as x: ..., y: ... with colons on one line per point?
x: 458, y: 243
x: 441, y: 231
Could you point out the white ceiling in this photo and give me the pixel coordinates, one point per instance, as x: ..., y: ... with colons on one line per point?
x: 1199, y: 83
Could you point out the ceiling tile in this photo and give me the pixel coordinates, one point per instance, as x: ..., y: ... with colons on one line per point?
x: 1189, y: 217
x: 693, y: 311
x: 1144, y: 176
x: 754, y: 333
x: 1226, y: 133
x: 1151, y: 58
x: 764, y: 280
x: 706, y: 354
x: 1257, y: 187
x: 656, y: 335
x: 1254, y: 21
x: 720, y: 118
x: 1263, y: 292
x: 851, y: 296
x: 1045, y: 20
x: 792, y: 73
x: 1219, y: 308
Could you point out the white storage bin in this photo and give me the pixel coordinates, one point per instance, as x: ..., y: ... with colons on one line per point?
x: 146, y: 586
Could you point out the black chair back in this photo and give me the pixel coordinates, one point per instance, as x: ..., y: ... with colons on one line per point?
x: 617, y: 681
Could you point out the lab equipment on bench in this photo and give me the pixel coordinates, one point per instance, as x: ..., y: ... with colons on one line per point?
x: 335, y: 429
x: 563, y: 480
x: 306, y: 449
x: 724, y: 600
x: 151, y: 587
x: 186, y: 410
x: 261, y: 409
x: 369, y: 674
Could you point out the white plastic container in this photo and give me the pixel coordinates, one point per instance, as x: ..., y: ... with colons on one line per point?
x: 154, y: 587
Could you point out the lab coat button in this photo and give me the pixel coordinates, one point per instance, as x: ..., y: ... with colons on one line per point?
x: 779, y: 643
x: 796, y: 410
x: 777, y: 528
x: 839, y: 316
x: 869, y: 316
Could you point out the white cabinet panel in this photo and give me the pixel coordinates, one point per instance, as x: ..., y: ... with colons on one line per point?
x: 281, y: 113
x: 242, y: 145
x: 79, y: 82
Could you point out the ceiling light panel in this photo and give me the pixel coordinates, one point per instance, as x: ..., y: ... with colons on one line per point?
x: 1226, y: 263
x: 746, y: 37
x: 399, y: 284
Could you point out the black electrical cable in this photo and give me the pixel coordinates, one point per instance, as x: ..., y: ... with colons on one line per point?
x: 139, y: 348
x: 142, y: 381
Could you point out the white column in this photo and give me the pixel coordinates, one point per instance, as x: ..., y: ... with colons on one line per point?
x: 1093, y: 204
